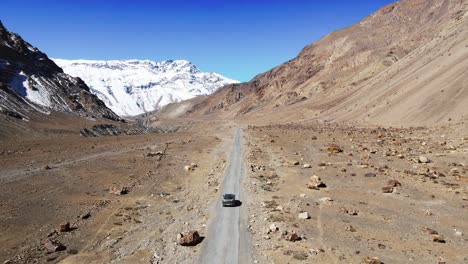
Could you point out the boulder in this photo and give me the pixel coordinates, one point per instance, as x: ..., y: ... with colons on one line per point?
x: 370, y: 175
x: 307, y: 166
x: 438, y: 239
x: 64, y: 227
x: 52, y: 246
x: 273, y: 228
x: 423, y: 159
x: 393, y: 183
x: 187, y: 168
x: 333, y: 148
x: 387, y: 189
x: 326, y: 200
x: 291, y: 236
x: 315, y: 183
x: 371, y: 260
x: 350, y: 228
x: 303, y: 215
x: 154, y: 154
x: 190, y: 238
x: 294, y: 162
x: 118, y: 190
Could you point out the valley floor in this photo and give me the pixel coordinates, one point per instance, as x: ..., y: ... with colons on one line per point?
x: 47, y: 182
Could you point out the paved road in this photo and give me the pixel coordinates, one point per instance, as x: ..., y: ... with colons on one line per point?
x: 228, y: 240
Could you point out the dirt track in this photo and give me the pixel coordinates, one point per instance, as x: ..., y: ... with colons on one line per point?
x: 227, y: 239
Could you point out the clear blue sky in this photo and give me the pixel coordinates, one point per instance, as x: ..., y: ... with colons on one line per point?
x: 239, y: 39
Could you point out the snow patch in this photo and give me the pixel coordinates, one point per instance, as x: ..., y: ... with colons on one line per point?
x: 36, y: 94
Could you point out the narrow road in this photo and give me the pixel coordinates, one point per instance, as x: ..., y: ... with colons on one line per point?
x: 228, y: 240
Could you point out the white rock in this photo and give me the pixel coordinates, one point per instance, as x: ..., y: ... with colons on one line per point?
x: 273, y: 227
x: 423, y: 159
x: 303, y: 215
x: 306, y: 166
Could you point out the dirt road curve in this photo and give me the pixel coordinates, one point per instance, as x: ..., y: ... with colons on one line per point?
x: 227, y: 239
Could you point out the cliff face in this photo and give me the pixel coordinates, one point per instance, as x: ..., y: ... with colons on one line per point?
x: 31, y: 83
x: 367, y: 71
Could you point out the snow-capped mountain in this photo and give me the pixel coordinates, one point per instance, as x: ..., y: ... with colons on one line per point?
x: 133, y: 87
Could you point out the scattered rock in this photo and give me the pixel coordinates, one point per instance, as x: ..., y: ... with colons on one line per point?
x: 190, y: 167
x: 334, y: 149
x: 327, y: 200
x: 315, y: 183
x: 294, y: 162
x: 307, y: 166
x: 438, y: 239
x: 85, y: 215
x: 429, y: 231
x: 458, y: 233
x: 52, y: 246
x: 350, y: 212
x: 316, y: 251
x: 291, y: 236
x: 371, y: 260
x: 423, y: 159
x: 393, y: 183
x: 273, y: 228
x: 370, y: 175
x: 350, y: 228
x: 303, y: 215
x: 64, y: 227
x: 154, y: 154
x: 118, y: 191
x: 190, y: 238
x: 47, y: 167
x: 387, y: 189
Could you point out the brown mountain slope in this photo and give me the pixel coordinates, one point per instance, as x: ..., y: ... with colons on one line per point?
x: 389, y: 68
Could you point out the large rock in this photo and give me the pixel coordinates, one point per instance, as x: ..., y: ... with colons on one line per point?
x: 64, y: 227
x: 315, y: 183
x: 303, y: 215
x: 273, y: 228
x: 118, y: 190
x: 291, y: 236
x: 393, y: 183
x: 334, y: 149
x: 423, y: 159
x: 190, y: 238
x: 371, y: 260
x: 52, y: 246
x: 387, y: 189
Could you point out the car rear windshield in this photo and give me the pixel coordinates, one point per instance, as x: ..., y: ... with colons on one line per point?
x: 229, y: 196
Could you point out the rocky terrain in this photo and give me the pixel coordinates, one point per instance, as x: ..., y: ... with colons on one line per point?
x: 115, y: 199
x: 351, y: 194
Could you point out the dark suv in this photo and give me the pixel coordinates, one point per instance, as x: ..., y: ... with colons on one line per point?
x: 229, y: 199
